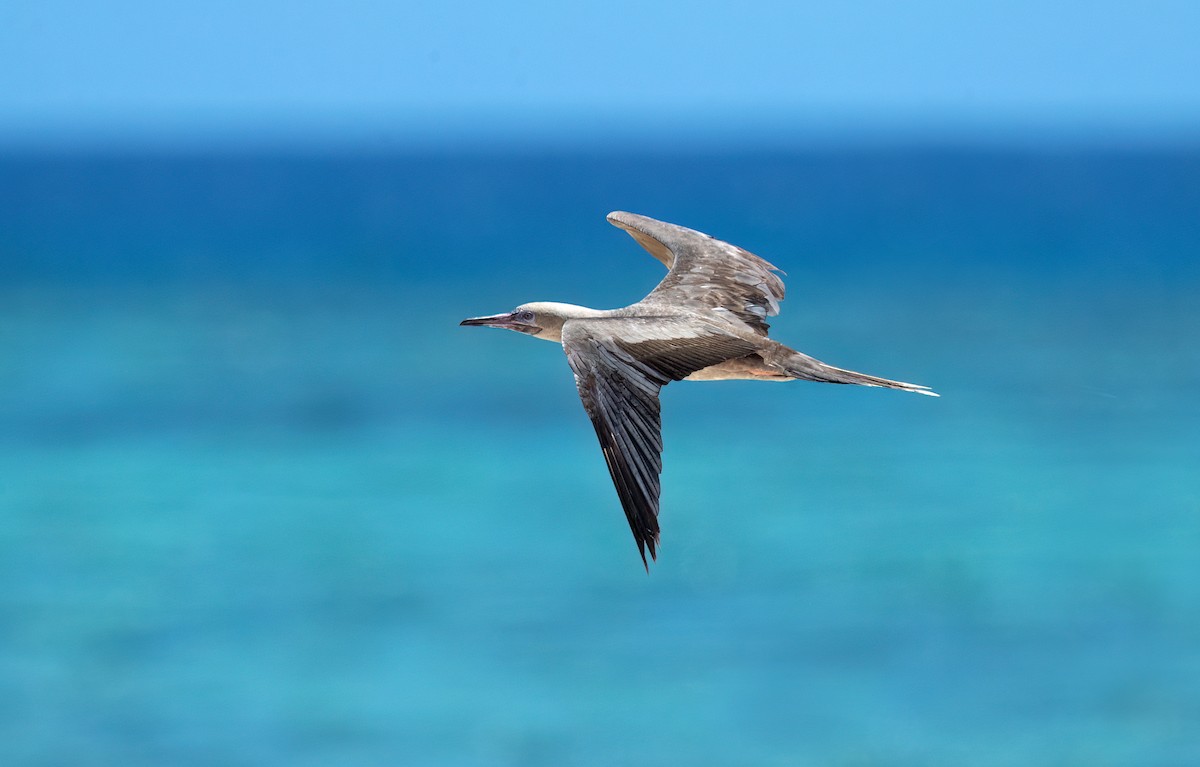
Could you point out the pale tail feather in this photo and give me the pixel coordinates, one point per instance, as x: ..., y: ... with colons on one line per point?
x: 806, y: 368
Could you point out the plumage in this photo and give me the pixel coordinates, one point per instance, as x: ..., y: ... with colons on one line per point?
x: 620, y: 364
x: 705, y: 272
x: 705, y: 321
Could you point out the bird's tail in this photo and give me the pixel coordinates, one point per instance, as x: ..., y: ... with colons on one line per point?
x: 806, y: 368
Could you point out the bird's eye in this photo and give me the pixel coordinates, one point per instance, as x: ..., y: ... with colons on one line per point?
x: 525, y: 316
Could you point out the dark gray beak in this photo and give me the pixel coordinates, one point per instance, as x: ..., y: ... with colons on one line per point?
x: 507, y: 321
x: 494, y: 321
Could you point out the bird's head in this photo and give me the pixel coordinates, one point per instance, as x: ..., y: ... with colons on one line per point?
x: 542, y: 319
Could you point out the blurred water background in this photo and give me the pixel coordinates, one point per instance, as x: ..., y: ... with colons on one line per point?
x: 264, y: 502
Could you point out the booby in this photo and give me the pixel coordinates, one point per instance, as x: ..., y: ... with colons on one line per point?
x: 706, y: 321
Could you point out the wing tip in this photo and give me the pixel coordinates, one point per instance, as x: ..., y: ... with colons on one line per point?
x: 651, y: 227
x: 652, y: 544
x: 623, y: 219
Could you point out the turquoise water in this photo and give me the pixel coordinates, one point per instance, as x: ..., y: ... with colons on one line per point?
x: 263, y: 502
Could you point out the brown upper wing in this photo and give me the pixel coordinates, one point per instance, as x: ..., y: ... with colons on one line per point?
x: 706, y: 272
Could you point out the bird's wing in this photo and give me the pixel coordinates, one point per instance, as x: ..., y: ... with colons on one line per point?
x: 706, y: 272
x: 620, y: 365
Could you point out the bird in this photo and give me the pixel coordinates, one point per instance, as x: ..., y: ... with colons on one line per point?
x: 705, y: 321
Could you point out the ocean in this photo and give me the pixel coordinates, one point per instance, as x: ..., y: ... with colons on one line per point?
x: 263, y: 502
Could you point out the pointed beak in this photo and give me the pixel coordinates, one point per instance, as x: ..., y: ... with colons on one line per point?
x: 494, y: 321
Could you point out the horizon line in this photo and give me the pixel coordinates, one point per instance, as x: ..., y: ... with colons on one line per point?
x: 590, y: 133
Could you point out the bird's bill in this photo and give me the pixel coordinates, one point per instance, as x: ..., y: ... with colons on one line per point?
x: 493, y: 321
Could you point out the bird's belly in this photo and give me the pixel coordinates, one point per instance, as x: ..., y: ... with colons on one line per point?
x: 750, y: 368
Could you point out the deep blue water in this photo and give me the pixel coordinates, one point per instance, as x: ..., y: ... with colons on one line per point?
x: 263, y: 502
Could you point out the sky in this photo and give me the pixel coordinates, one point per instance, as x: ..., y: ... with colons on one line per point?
x: 457, y: 68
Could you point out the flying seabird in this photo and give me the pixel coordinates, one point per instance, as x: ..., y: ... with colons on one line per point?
x: 706, y: 321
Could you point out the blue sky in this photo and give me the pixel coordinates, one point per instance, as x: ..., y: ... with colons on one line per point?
x: 456, y: 68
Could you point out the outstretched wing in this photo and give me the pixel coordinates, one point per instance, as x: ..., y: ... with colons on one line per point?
x: 620, y: 365
x: 706, y: 272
